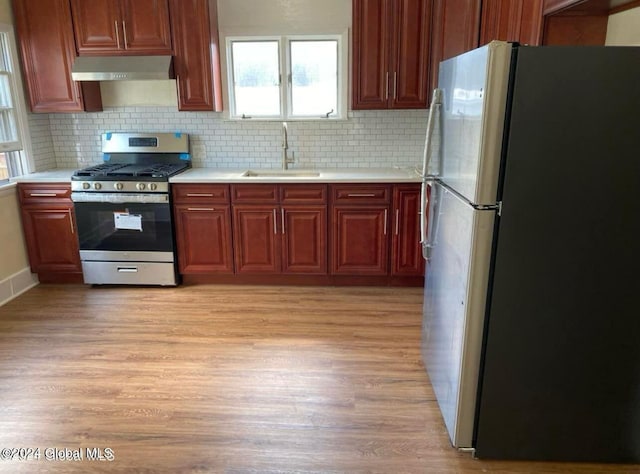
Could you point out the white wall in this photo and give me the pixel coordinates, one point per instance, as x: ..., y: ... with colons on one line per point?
x: 624, y: 28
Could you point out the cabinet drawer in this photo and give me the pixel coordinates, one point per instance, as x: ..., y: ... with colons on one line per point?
x: 360, y: 193
x: 33, y: 193
x: 303, y: 194
x: 189, y: 193
x: 254, y: 193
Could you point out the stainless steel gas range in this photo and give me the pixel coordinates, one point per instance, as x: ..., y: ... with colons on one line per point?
x: 123, y: 209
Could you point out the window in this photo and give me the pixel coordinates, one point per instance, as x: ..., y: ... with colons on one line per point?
x: 13, y: 161
x: 286, y: 77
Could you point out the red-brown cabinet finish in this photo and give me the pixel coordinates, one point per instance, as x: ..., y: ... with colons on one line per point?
x: 122, y: 27
x: 194, y: 25
x: 280, y: 228
x: 256, y: 238
x: 406, y: 254
x: 360, y: 240
x: 456, y: 29
x: 304, y: 239
x: 49, y: 228
x: 390, y: 54
x: 512, y: 20
x: 45, y: 36
x: 203, y: 238
x: 203, y: 228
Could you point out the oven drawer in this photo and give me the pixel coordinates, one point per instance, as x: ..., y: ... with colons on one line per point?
x: 129, y: 273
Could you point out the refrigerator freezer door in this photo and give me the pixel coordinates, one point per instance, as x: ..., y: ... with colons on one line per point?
x: 474, y: 89
x: 454, y: 308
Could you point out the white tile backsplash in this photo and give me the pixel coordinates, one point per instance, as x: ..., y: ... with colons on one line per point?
x: 44, y: 157
x: 367, y: 139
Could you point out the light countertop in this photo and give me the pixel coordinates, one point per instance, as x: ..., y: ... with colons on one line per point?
x: 52, y: 176
x: 220, y: 175
x: 321, y: 175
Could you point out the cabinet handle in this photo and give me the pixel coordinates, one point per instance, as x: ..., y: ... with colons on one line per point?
x: 117, y: 34
x: 124, y: 31
x: 386, y: 214
x: 387, y: 86
x: 200, y: 209
x: 397, y: 220
x: 73, y: 231
x: 199, y: 195
x: 282, y: 219
x: 49, y: 195
x: 395, y: 85
x: 360, y: 195
x: 275, y: 221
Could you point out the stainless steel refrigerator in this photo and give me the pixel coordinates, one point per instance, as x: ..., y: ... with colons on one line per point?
x: 531, y: 231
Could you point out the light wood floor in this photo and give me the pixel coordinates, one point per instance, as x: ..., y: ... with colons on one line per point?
x: 230, y: 379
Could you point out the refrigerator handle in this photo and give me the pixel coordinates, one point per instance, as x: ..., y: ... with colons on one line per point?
x: 428, y: 218
x: 434, y: 110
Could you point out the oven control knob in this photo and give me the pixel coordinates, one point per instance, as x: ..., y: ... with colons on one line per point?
x: 153, y: 186
x: 118, y: 186
x: 86, y: 185
x: 140, y: 186
x: 97, y: 186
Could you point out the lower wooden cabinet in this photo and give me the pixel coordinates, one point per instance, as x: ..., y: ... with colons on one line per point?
x: 203, y: 236
x: 203, y: 228
x: 50, y: 231
x: 360, y: 240
x: 329, y: 234
x: 255, y: 238
x: 406, y: 254
x: 280, y: 237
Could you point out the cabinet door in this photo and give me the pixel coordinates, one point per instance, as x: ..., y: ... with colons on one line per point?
x: 360, y: 241
x: 145, y: 26
x: 406, y: 254
x: 51, y: 239
x: 410, y: 46
x: 97, y: 26
x: 371, y: 37
x: 304, y: 243
x: 456, y: 30
x: 47, y: 47
x: 203, y: 237
x: 513, y: 20
x: 256, y: 239
x: 196, y: 62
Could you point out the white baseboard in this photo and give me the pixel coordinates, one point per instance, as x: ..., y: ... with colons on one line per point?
x: 17, y: 284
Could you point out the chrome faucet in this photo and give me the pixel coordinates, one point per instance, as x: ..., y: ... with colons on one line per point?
x: 286, y: 159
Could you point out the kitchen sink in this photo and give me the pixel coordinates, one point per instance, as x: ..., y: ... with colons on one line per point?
x: 280, y: 174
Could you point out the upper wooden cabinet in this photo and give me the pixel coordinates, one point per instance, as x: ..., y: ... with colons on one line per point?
x: 107, y: 27
x: 390, y: 54
x: 462, y: 25
x: 513, y: 20
x: 194, y: 25
x: 48, y: 51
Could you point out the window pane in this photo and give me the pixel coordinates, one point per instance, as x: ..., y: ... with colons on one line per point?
x: 4, y: 169
x: 256, y: 76
x: 8, y: 129
x: 314, y: 77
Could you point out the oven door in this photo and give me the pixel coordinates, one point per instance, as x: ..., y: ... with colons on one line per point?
x: 125, y: 227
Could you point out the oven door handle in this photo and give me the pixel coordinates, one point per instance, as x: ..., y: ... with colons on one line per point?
x: 118, y: 198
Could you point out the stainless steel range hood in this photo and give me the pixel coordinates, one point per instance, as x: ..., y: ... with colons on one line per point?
x: 121, y: 68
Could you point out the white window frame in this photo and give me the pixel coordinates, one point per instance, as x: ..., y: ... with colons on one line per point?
x: 285, y: 67
x: 22, y: 146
